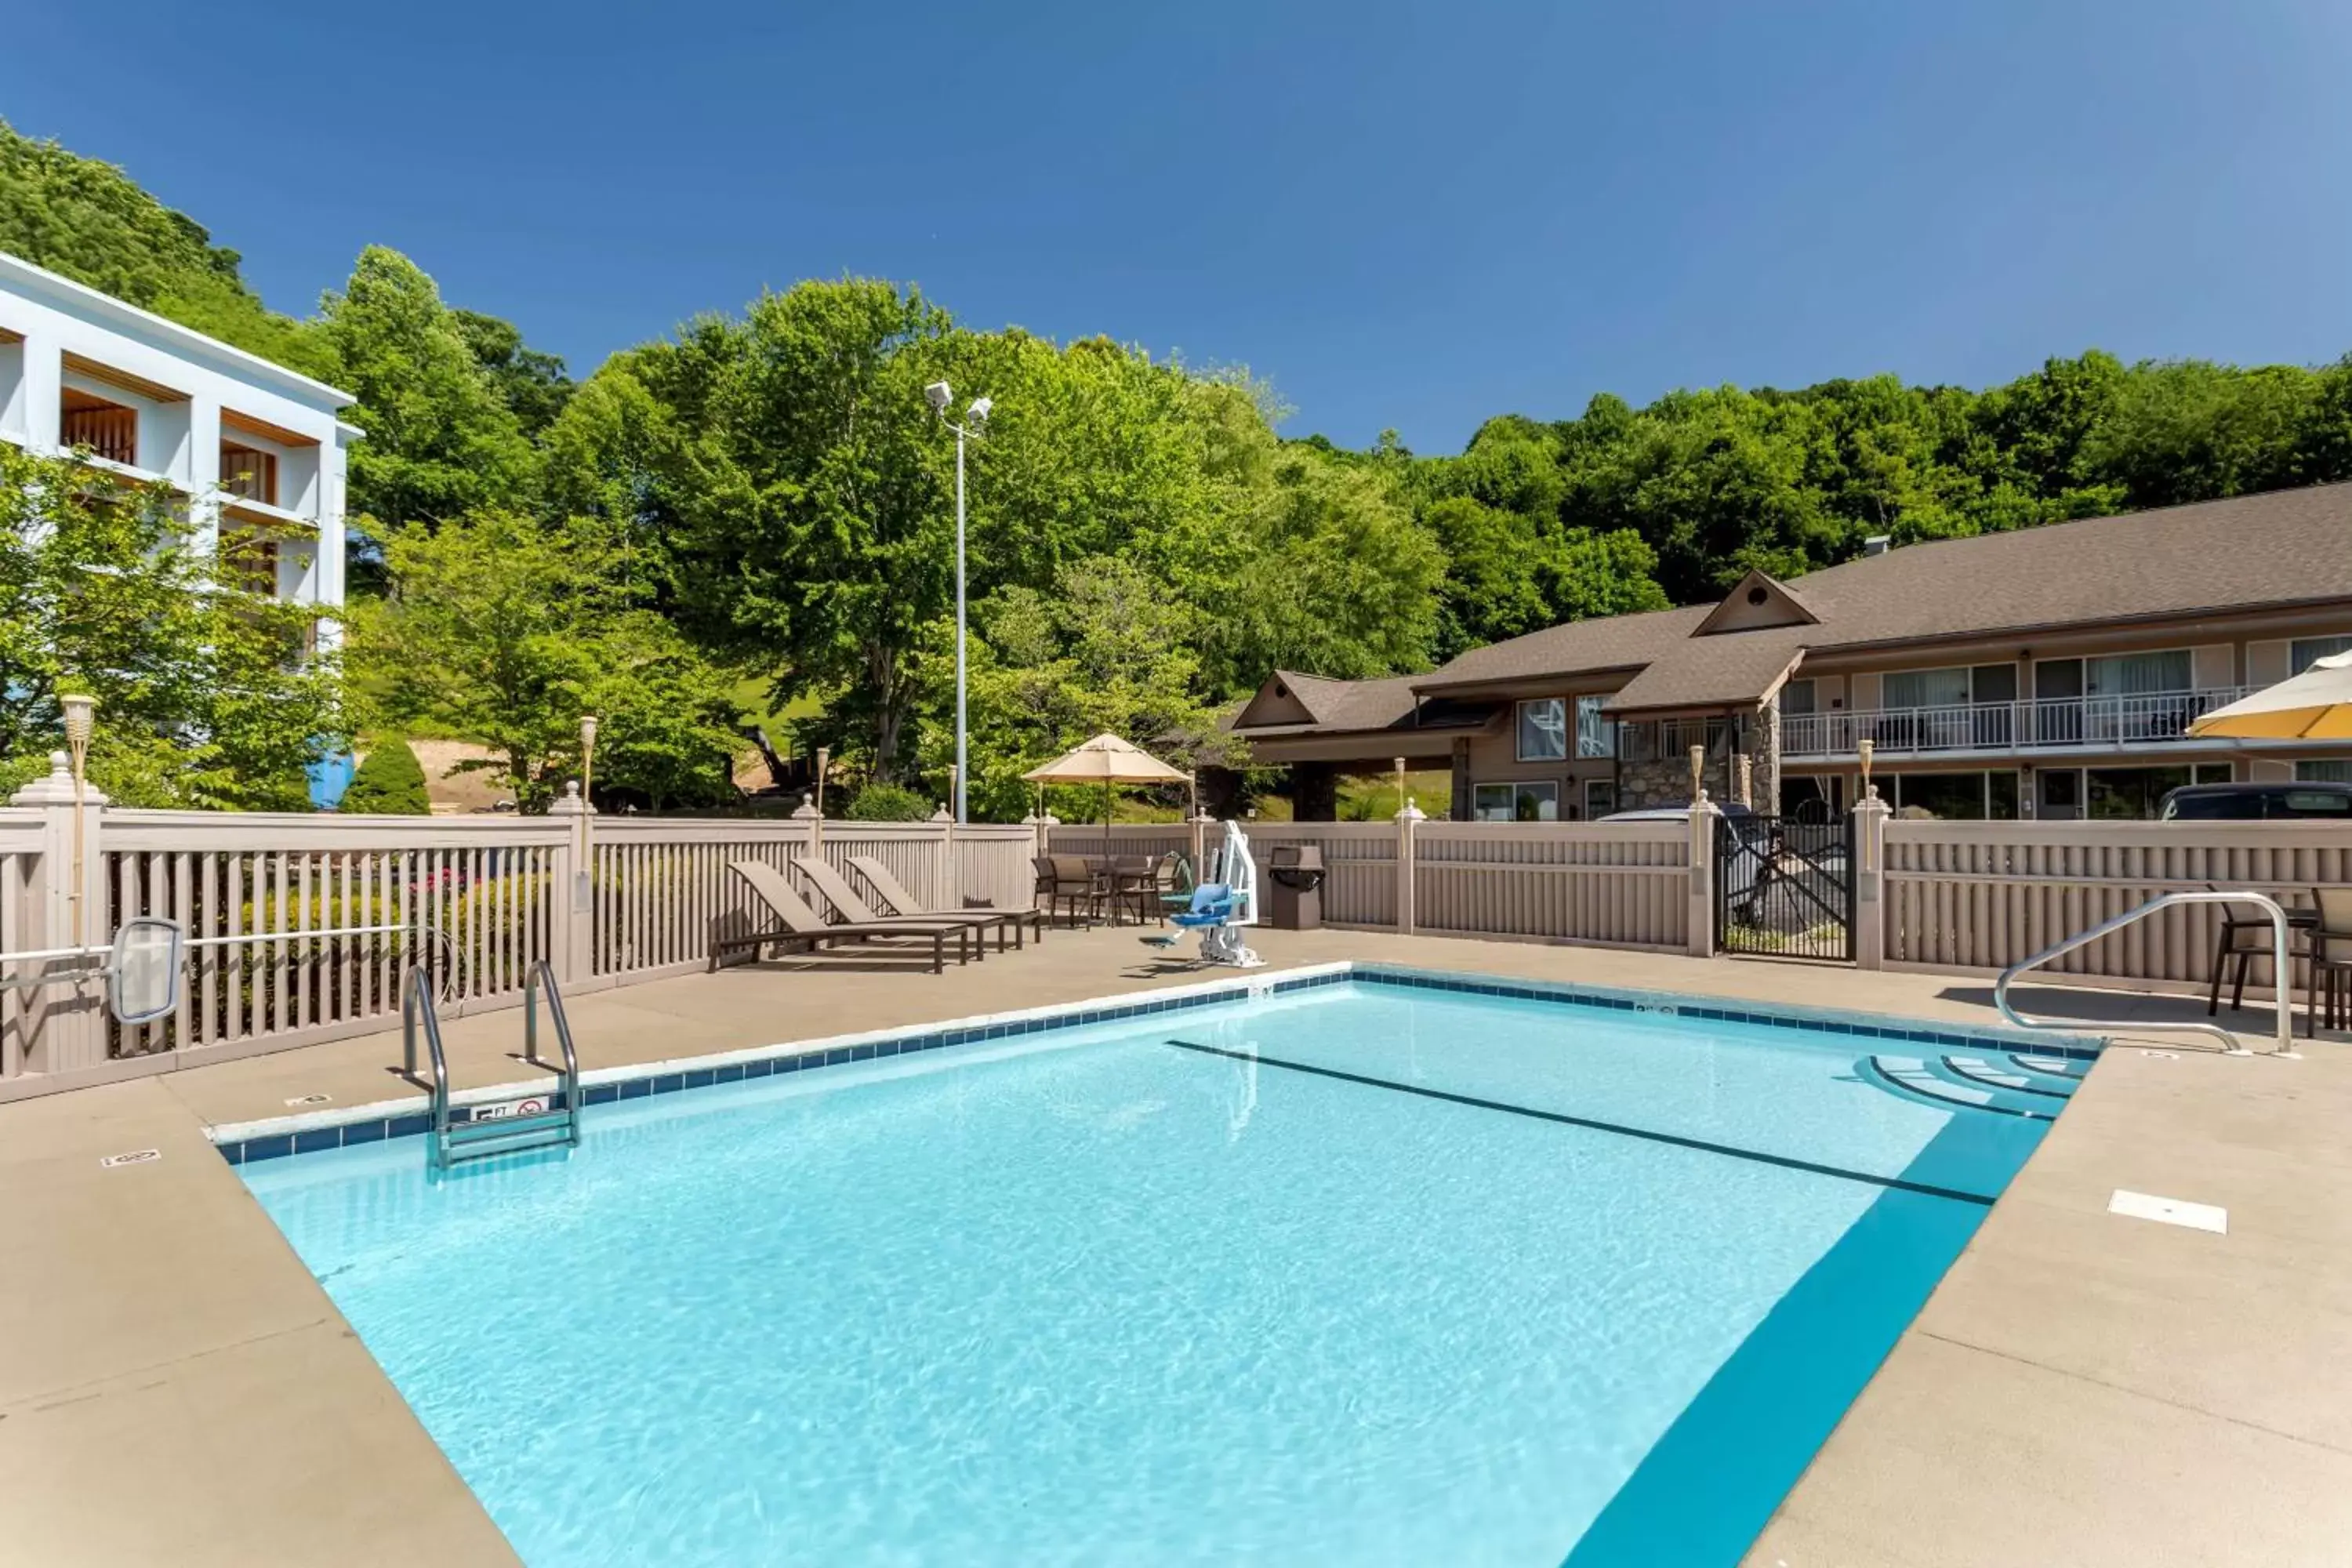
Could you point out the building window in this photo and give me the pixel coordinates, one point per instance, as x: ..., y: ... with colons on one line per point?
x: 2305, y: 652
x: 1600, y: 798
x: 2130, y: 794
x: 1957, y: 798
x: 1596, y: 732
x: 1520, y: 802
x: 1798, y: 697
x: 107, y: 430
x: 2138, y: 674
x: 248, y: 473
x: 1543, y: 730
x: 1927, y: 688
x: 2324, y: 770
x: 2215, y: 772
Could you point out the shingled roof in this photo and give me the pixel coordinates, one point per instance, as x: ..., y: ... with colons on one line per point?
x: 2282, y: 548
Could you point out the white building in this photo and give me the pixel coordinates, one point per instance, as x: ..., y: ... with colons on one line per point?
x: 258, y: 451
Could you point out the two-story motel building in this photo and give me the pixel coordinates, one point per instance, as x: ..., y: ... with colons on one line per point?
x: 2050, y: 672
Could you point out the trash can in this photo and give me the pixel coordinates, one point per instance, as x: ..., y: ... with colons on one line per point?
x: 1296, y: 872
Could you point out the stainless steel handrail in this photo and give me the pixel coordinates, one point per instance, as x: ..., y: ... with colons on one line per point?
x: 567, y: 1078
x: 415, y: 1007
x: 2283, y: 996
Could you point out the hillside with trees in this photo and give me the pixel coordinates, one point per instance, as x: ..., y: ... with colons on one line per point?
x: 764, y: 495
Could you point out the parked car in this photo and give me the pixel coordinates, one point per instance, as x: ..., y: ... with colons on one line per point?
x: 2257, y: 803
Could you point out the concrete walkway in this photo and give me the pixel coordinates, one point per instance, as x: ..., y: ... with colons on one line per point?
x: 2084, y: 1389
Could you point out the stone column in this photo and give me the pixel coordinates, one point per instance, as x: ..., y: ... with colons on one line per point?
x: 1408, y: 820
x: 1870, y: 814
x: 64, y: 1023
x: 1704, y: 815
x: 1768, y: 758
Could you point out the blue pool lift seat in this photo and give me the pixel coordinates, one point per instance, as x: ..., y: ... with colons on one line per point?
x: 1211, y: 905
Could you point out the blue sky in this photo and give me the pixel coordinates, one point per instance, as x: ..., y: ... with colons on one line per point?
x: 1402, y: 216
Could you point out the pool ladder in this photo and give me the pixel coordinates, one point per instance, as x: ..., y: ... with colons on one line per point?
x: 462, y: 1133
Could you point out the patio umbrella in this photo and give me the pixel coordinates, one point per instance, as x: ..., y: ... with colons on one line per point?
x: 2314, y: 706
x: 1107, y: 760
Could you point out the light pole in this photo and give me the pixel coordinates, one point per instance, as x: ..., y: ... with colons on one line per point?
x: 938, y: 396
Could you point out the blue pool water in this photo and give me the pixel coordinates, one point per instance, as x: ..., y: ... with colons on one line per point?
x: 1358, y: 1275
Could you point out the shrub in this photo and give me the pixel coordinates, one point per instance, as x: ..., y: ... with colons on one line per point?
x: 888, y: 802
x: 390, y: 780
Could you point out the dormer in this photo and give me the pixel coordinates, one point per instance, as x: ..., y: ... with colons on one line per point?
x: 1758, y: 603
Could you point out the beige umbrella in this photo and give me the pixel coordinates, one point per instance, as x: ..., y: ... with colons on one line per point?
x: 2314, y: 706
x: 1107, y: 760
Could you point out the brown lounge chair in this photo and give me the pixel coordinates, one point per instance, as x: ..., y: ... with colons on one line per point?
x: 801, y: 926
x: 850, y: 907
x: 902, y: 902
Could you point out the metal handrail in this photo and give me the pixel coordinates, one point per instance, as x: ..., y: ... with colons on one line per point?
x: 415, y: 1006
x: 567, y: 1077
x: 2282, y: 998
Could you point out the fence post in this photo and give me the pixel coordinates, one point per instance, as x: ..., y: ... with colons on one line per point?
x: 948, y: 889
x: 65, y: 1025
x: 1870, y: 814
x: 571, y: 945
x: 1408, y: 820
x: 1703, y: 815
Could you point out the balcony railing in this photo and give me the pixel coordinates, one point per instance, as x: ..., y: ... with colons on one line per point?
x: 2048, y: 723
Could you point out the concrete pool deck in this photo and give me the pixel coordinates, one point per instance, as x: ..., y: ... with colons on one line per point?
x: 2082, y: 1388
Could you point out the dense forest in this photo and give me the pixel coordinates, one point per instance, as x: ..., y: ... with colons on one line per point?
x: 764, y: 497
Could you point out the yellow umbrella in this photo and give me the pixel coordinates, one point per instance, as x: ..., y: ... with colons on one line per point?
x: 1107, y: 760
x: 2314, y: 706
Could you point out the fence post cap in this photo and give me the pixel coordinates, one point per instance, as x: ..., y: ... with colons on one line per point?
x: 803, y: 811
x: 55, y: 787
x: 941, y: 816
x: 1703, y: 806
x: 570, y: 804
x: 1412, y: 812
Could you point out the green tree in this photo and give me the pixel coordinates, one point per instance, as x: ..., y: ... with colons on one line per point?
x: 389, y: 782
x: 533, y: 386
x: 92, y: 223
x: 207, y: 698
x: 505, y: 632
x: 440, y: 438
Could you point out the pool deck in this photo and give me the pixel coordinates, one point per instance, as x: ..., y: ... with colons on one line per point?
x: 2083, y: 1388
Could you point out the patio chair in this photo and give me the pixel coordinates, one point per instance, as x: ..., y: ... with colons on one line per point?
x: 836, y: 889
x: 1134, y: 884
x: 2331, y: 959
x: 2243, y: 936
x: 887, y: 887
x: 799, y: 926
x: 1073, y: 880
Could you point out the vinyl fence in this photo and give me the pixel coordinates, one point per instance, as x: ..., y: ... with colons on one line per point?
x: 302, y: 928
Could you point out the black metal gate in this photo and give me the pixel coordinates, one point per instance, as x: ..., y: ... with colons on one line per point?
x: 1784, y: 888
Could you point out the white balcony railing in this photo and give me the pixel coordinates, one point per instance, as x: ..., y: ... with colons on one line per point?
x: 2049, y: 723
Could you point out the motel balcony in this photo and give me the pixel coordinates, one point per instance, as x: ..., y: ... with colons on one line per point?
x: 2048, y: 725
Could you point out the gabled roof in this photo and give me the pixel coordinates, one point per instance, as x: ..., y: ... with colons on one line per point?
x: 1757, y: 602
x: 2280, y: 548
x: 1292, y: 703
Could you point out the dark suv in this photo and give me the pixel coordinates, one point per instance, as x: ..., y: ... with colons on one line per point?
x: 2258, y: 803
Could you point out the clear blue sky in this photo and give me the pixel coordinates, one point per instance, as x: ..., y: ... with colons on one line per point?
x: 1402, y: 216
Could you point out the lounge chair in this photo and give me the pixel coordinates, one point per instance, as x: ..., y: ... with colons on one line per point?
x: 850, y: 907
x: 802, y: 927
x: 902, y: 902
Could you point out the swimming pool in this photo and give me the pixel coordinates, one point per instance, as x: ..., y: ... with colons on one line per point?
x: 1362, y: 1273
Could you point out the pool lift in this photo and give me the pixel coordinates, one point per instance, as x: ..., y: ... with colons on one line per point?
x: 1224, y: 901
